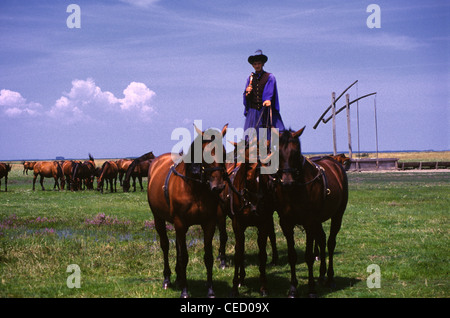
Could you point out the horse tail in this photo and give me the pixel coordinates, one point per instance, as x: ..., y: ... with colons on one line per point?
x: 75, y: 170
x: 105, y: 166
x: 59, y: 169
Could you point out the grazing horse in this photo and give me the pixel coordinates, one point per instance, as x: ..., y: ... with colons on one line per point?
x: 309, y: 193
x: 4, y: 169
x: 83, y: 172
x: 48, y: 169
x: 109, y: 172
x: 138, y: 168
x: 122, y: 166
x: 248, y: 202
x: 67, y: 168
x: 28, y: 165
x: 187, y: 193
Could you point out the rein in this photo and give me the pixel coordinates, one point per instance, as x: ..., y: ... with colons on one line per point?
x: 242, y: 193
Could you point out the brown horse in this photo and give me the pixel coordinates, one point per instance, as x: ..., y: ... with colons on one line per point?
x: 4, y: 169
x: 122, y: 166
x: 309, y: 193
x: 28, y: 165
x: 67, y: 168
x: 109, y: 172
x: 138, y: 168
x: 83, y: 173
x: 48, y: 169
x: 186, y: 193
x: 248, y: 202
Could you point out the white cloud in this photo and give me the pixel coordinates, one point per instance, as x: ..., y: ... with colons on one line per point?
x: 137, y: 97
x: 15, y: 105
x: 87, y: 101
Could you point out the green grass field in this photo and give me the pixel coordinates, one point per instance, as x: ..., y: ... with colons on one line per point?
x: 397, y: 220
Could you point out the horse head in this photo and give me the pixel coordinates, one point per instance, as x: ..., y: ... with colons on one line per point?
x: 208, y: 164
x: 291, y: 158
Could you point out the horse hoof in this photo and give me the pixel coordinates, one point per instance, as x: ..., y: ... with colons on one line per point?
x: 292, y: 292
x: 211, y: 293
x: 184, y: 294
x: 263, y: 293
x: 166, y: 284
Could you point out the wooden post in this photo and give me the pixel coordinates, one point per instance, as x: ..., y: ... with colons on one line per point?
x: 349, y: 129
x: 376, y: 125
x: 333, y: 107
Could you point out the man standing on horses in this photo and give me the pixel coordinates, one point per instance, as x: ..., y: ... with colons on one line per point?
x: 262, y: 108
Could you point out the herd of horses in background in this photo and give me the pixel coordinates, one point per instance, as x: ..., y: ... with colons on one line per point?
x: 80, y: 175
x: 304, y: 191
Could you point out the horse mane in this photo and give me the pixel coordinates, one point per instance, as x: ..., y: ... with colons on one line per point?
x: 134, y: 163
x: 104, y: 164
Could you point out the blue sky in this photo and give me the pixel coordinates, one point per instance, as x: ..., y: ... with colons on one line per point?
x: 138, y: 69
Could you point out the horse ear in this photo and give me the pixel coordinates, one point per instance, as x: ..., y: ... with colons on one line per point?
x: 298, y: 133
x: 224, y: 130
x: 198, y: 130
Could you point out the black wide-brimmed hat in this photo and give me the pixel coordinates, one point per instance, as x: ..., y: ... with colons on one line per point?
x: 258, y: 57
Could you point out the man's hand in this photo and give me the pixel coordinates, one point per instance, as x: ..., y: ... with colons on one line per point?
x: 267, y: 103
x: 248, y: 90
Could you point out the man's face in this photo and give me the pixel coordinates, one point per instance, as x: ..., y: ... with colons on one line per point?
x: 258, y: 66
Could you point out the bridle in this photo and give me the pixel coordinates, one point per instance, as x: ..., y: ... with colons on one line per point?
x: 298, y: 172
x: 197, y: 169
x: 245, y: 195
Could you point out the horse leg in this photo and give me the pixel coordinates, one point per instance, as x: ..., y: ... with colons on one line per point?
x: 42, y: 183
x: 34, y: 180
x: 223, y: 240
x: 182, y: 259
x: 208, y: 233
x: 321, y: 242
x: 134, y: 184
x: 273, y: 242
x: 56, y: 183
x: 309, y: 258
x: 334, y: 229
x: 238, y: 259
x: 111, y: 185
x: 140, y: 183
x: 288, y: 231
x: 262, y: 244
x: 160, y: 226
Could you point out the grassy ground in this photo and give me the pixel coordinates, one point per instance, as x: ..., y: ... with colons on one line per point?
x: 396, y: 220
